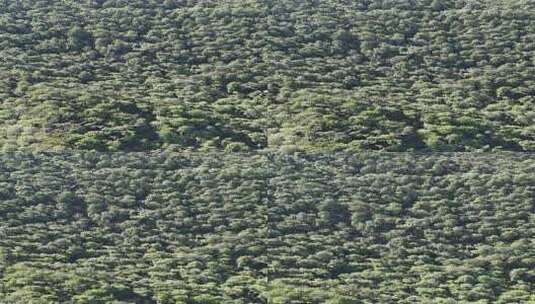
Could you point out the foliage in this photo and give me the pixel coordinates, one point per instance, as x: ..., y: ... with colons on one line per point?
x: 266, y: 228
x: 298, y: 95
x: 362, y: 75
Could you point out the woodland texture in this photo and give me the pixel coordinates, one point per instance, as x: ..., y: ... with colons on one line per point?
x: 248, y: 75
x: 206, y: 152
x: 191, y: 228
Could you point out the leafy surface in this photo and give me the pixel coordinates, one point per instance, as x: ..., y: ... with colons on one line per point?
x: 267, y: 228
x: 113, y: 75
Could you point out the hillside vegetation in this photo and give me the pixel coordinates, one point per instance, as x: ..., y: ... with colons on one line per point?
x: 334, y: 75
x: 214, y: 228
x: 239, y: 151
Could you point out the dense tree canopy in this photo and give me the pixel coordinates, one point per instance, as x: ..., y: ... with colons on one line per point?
x: 267, y: 228
x: 406, y: 75
x: 306, y: 98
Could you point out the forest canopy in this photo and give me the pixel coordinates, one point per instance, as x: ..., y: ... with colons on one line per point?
x: 239, y: 151
x: 335, y: 75
x: 267, y: 228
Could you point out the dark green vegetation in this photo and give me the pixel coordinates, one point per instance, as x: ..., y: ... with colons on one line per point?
x: 301, y: 92
x: 116, y: 75
x: 213, y: 228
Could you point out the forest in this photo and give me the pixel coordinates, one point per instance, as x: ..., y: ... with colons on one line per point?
x: 267, y: 151
x: 92, y: 227
x: 304, y: 75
